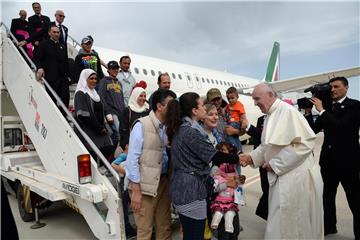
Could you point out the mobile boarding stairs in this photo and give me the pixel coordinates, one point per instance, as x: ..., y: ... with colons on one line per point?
x: 59, y: 166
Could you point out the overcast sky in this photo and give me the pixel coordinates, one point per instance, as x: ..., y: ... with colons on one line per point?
x: 234, y: 36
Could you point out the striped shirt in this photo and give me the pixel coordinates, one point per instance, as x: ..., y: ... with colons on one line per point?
x: 191, y: 153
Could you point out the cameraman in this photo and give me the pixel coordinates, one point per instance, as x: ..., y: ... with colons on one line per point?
x: 339, y: 158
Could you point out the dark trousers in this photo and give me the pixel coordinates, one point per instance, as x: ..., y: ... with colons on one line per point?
x: 263, y: 206
x: 107, y: 151
x: 125, y: 202
x: 223, y: 235
x: 61, y: 87
x: 350, y: 180
x: 192, y: 229
x: 8, y: 225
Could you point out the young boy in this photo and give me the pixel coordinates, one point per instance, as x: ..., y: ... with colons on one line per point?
x: 118, y: 163
x: 234, y: 114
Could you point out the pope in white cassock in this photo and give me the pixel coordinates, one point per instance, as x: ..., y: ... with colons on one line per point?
x: 286, y: 151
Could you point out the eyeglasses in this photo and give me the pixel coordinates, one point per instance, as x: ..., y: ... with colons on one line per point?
x: 61, y: 15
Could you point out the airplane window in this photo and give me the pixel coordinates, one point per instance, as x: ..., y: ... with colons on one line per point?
x: 188, y: 77
x: 216, y: 81
x: 212, y: 81
x: 203, y: 80
x: 197, y: 79
x: 136, y: 70
x: 173, y: 75
x: 152, y: 72
x: 179, y: 75
x: 221, y: 82
x: 207, y: 80
x: 144, y: 71
x: 159, y: 72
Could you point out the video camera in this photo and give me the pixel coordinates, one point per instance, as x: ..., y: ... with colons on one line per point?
x: 320, y: 91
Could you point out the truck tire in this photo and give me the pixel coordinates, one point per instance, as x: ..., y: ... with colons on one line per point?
x: 24, y: 203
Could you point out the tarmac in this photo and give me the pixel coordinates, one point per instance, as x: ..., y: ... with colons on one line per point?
x: 64, y: 223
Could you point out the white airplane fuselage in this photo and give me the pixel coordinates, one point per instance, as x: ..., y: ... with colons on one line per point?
x: 185, y: 78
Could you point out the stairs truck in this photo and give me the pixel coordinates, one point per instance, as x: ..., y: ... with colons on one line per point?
x: 42, y: 157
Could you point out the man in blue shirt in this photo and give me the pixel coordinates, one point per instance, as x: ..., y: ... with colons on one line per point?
x: 147, y: 168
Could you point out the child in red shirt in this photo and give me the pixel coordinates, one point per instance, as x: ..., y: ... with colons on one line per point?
x: 234, y: 114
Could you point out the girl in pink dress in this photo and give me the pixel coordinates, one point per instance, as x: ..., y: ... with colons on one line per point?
x: 226, y: 202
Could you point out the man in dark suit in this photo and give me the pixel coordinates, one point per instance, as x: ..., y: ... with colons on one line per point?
x: 59, y: 19
x: 52, y: 63
x: 339, y: 158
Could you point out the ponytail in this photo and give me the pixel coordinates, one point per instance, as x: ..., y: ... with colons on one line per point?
x: 173, y: 119
x: 176, y: 110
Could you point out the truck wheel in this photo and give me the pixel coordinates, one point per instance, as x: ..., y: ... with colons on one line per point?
x: 24, y: 203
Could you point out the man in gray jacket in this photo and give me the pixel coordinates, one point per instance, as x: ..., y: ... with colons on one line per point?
x: 126, y: 78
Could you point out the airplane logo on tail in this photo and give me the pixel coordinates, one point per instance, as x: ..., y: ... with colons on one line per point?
x: 273, y: 68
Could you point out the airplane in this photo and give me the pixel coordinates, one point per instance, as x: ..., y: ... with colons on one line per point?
x: 189, y: 78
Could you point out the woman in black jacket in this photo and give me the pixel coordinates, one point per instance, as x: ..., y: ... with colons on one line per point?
x: 89, y: 113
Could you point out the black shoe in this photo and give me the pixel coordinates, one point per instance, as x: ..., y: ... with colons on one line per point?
x: 130, y: 232
x: 330, y: 231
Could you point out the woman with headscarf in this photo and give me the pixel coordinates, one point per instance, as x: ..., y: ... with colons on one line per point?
x: 89, y: 113
x: 137, y: 108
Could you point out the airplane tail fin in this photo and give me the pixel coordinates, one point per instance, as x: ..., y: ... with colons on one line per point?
x: 273, y: 68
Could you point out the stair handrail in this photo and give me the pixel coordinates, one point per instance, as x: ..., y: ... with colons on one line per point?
x: 69, y: 115
x: 75, y: 42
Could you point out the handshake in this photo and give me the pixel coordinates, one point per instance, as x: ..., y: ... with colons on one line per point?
x: 245, y: 159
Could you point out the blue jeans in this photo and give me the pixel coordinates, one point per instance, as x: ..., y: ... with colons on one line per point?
x: 192, y: 229
x: 234, y: 139
x: 115, y: 129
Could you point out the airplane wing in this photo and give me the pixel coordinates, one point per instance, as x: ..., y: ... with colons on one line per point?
x: 300, y: 83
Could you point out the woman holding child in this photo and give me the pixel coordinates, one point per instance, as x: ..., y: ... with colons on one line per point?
x: 191, y: 155
x: 209, y: 124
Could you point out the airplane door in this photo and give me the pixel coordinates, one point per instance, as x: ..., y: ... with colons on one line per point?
x: 197, y: 81
x: 189, y: 80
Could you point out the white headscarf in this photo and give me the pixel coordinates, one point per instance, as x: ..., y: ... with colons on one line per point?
x: 133, y: 104
x: 83, y: 87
